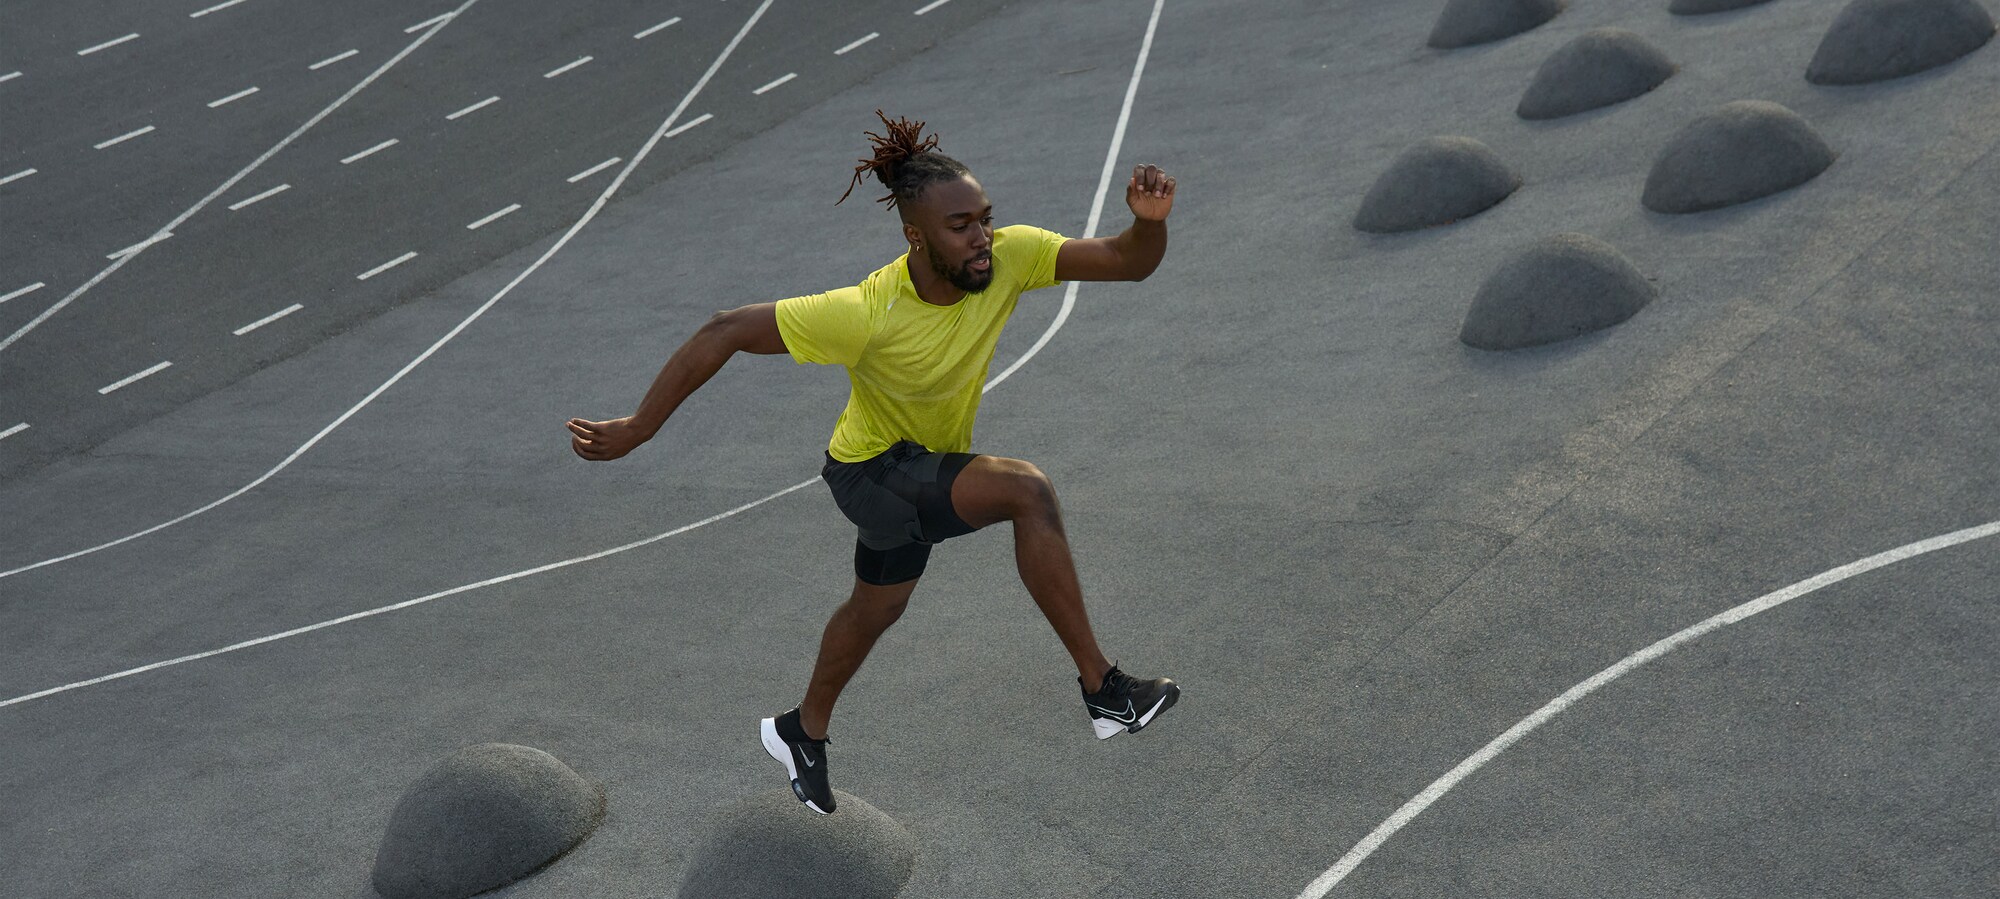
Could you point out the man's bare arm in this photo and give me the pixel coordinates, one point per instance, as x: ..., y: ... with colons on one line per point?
x: 1135, y: 252
x: 749, y: 329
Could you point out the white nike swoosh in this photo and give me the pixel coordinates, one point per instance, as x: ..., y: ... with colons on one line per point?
x: 809, y: 759
x: 1127, y: 716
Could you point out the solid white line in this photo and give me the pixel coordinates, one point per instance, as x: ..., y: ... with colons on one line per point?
x: 579, y: 176
x: 10, y: 76
x: 227, y: 185
x: 386, y: 266
x: 413, y: 29
x: 331, y: 60
x: 18, y: 176
x: 267, y: 319
x: 569, y: 67
x: 23, y: 291
x: 1410, y: 810
x: 216, y: 8
x: 871, y: 36
x: 233, y: 97
x: 129, y: 379
x: 239, y: 204
x: 704, y: 117
x: 489, y: 101
x: 934, y: 4
x: 656, y: 28
x: 140, y: 245
x: 490, y: 219
x: 89, y: 50
x: 125, y: 137
x: 788, y: 76
x: 13, y: 430
x: 371, y: 151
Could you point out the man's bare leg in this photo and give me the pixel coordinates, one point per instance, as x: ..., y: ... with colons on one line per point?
x: 849, y: 634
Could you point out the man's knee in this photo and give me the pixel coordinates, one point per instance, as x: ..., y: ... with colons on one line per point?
x: 1034, y: 494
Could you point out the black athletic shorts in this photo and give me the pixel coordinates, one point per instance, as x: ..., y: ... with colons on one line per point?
x: 900, y: 503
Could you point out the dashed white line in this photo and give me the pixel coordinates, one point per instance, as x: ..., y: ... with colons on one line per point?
x: 386, y: 266
x: 18, y: 176
x: 844, y: 50
x: 655, y: 28
x: 413, y: 29
x: 331, y: 60
x: 239, y: 204
x: 216, y: 8
x: 267, y: 319
x: 233, y: 97
x: 491, y: 218
x: 683, y: 127
x: 579, y: 176
x: 23, y: 291
x: 788, y: 76
x: 10, y: 76
x: 371, y: 151
x: 569, y: 67
x: 125, y: 137
x: 141, y: 245
x: 473, y: 108
x: 89, y: 50
x: 13, y: 430
x: 934, y: 4
x: 129, y: 379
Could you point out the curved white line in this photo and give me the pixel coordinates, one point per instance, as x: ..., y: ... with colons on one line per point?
x: 1110, y: 160
x: 167, y: 229
x: 1411, y: 809
x: 602, y: 198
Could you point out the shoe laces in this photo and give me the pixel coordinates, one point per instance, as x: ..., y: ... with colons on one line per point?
x: 1117, y: 684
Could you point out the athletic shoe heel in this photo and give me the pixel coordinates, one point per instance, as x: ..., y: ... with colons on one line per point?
x: 1106, y: 728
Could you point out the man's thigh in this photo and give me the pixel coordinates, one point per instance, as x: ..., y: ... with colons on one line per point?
x: 994, y: 488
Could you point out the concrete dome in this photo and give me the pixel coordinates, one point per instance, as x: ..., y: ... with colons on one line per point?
x: 1464, y: 23
x: 483, y: 818
x: 1437, y: 181
x: 1560, y: 287
x: 1600, y: 67
x: 1702, y: 7
x: 1742, y: 151
x: 771, y: 846
x: 1875, y: 40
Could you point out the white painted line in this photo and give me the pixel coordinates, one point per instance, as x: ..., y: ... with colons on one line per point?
x: 413, y: 29
x: 569, y: 67
x: 216, y: 8
x: 125, y: 137
x: 239, y: 204
x: 934, y: 4
x: 704, y: 117
x: 656, y: 28
x: 129, y: 379
x: 579, y: 176
x: 385, y: 266
x: 23, y: 291
x: 233, y: 97
x: 489, y: 101
x: 13, y: 430
x: 141, y: 245
x: 596, y: 206
x: 492, y: 218
x: 18, y: 175
x: 1410, y: 810
x: 371, y: 151
x: 89, y: 50
x: 10, y: 76
x: 267, y: 319
x: 844, y: 50
x: 331, y: 60
x: 788, y: 76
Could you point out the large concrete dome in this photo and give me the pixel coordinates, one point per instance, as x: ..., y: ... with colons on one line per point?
x: 1875, y: 40
x: 1742, y: 151
x: 1560, y: 287
x: 771, y: 846
x: 1437, y: 181
x: 483, y: 818
x: 1464, y: 23
x: 1600, y: 67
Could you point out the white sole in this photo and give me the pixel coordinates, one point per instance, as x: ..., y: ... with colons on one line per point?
x: 767, y: 731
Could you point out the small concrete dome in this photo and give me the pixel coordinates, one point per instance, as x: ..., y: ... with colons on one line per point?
x: 1560, y: 287
x: 1464, y: 23
x: 483, y: 818
x: 1437, y: 181
x: 770, y: 845
x: 1742, y: 151
x: 1703, y: 7
x: 1600, y: 67
x: 1876, y: 40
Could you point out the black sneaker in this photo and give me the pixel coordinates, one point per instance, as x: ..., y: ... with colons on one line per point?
x: 1127, y: 704
x: 804, y: 759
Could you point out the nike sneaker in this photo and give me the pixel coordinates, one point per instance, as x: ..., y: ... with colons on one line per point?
x: 1125, y: 703
x: 804, y: 759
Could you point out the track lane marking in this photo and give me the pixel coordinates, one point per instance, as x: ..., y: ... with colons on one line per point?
x: 568, y: 66
x: 489, y: 101
x: 13, y: 430
x: 126, y: 136
x: 331, y: 60
x: 131, y: 379
x: 579, y: 176
x: 232, y: 97
x: 370, y: 151
x: 934, y: 4
x: 216, y: 8
x: 413, y: 29
x: 648, y: 32
x: 704, y: 117
x: 844, y: 50
x: 491, y: 218
x: 386, y: 266
x: 787, y: 77
x: 108, y: 44
x: 239, y: 204
x: 267, y: 319
x: 10, y: 76
x: 18, y: 176
x: 23, y: 291
x: 120, y: 254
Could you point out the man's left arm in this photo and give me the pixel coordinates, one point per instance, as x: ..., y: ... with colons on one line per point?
x: 1136, y: 252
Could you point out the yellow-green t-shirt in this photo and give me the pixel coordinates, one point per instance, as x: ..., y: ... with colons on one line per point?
x: 916, y: 368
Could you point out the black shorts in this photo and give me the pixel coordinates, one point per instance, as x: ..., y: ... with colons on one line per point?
x: 900, y: 503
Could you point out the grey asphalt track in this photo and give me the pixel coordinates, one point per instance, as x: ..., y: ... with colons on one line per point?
x: 1364, y: 548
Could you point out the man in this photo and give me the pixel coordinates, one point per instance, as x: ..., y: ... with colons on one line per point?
x: 917, y: 338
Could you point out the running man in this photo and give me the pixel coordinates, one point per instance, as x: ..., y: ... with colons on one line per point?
x: 917, y: 338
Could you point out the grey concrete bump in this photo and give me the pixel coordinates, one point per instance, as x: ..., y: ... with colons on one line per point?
x: 769, y: 845
x: 1561, y: 287
x: 1876, y: 40
x: 484, y: 817
x: 1466, y: 23
x: 1737, y: 153
x: 1437, y: 181
x: 1704, y: 7
x: 1600, y: 67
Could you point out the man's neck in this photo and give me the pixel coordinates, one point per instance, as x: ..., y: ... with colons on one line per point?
x: 932, y: 288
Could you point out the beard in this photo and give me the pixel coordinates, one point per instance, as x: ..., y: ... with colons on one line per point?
x: 962, y: 277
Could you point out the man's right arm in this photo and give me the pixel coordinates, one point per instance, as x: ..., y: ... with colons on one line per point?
x: 749, y: 329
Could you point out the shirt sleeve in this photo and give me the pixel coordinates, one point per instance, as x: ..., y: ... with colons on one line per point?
x: 825, y: 328
x: 1037, y: 255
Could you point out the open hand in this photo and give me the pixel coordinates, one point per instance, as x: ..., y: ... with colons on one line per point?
x: 603, y: 441
x: 1150, y: 193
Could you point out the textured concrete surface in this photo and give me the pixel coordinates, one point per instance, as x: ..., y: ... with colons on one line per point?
x: 1465, y: 23
x: 1600, y: 67
x: 1436, y: 181
x: 765, y: 846
x: 1740, y: 152
x: 1559, y: 287
x: 1704, y: 7
x: 484, y: 817
x: 1876, y: 40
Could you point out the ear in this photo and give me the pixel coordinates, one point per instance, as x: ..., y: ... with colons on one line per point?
x: 911, y: 235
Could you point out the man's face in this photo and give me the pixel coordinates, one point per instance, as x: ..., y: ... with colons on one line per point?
x: 954, y: 222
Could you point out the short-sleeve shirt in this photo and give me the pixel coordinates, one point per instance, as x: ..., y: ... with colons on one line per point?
x: 916, y: 369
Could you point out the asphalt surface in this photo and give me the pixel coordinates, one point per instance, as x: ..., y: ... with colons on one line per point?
x: 1363, y: 548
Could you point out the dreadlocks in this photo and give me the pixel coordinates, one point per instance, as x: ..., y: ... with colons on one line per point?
x: 905, y: 162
